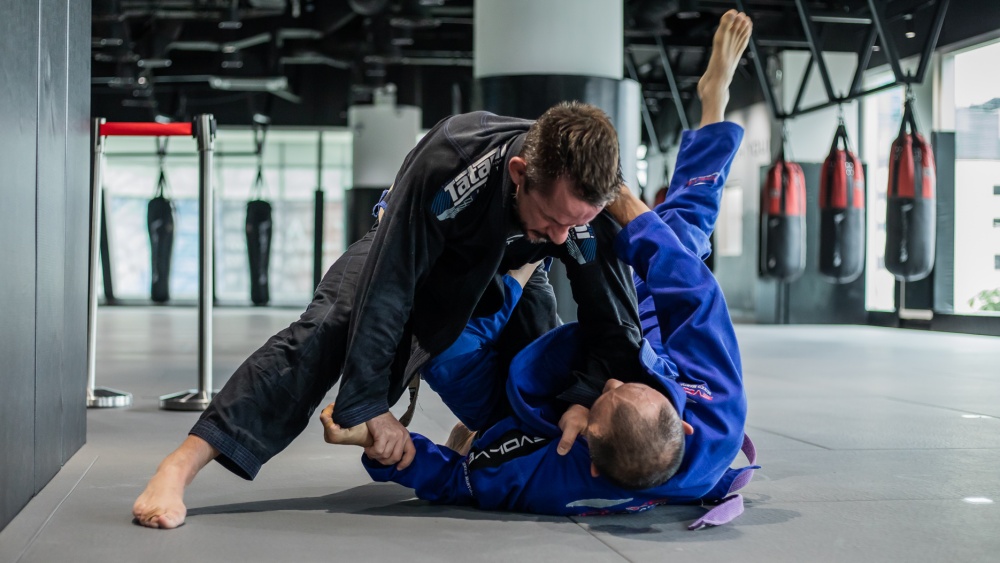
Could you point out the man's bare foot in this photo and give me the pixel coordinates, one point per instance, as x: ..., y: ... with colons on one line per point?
x: 626, y: 206
x: 727, y: 47
x: 161, y: 505
x: 460, y: 439
x: 334, y: 434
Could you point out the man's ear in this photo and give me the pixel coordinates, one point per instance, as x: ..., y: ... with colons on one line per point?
x: 593, y: 471
x: 518, y: 169
x: 688, y: 429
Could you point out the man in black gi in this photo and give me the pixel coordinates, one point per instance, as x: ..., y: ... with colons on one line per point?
x: 479, y: 195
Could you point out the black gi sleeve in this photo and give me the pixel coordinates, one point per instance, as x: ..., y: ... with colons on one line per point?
x: 606, y: 310
x: 408, y: 240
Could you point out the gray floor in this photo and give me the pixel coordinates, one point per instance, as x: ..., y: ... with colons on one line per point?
x: 874, y: 442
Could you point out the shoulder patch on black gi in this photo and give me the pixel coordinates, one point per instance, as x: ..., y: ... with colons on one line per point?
x: 513, y: 444
x: 581, y: 244
x: 458, y: 193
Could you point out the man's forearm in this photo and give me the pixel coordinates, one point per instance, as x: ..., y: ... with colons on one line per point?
x: 607, y: 311
x: 436, y: 474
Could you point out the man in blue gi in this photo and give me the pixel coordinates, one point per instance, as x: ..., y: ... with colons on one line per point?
x: 669, y: 434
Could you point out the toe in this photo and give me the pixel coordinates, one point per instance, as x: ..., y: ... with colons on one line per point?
x: 168, y: 521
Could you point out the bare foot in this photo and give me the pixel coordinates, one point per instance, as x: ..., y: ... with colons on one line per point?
x: 161, y: 505
x: 334, y: 434
x: 727, y: 47
x: 460, y: 439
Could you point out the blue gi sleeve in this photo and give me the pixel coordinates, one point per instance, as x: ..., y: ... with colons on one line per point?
x: 692, y: 203
x: 466, y: 375
x: 698, y: 336
x: 437, y: 473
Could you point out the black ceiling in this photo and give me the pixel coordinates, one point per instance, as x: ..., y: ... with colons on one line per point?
x: 303, y: 62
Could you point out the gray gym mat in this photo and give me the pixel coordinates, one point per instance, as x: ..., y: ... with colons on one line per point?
x: 877, y: 445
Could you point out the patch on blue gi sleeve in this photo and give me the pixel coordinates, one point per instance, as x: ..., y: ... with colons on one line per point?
x: 511, y: 445
x: 703, y: 180
x: 699, y: 390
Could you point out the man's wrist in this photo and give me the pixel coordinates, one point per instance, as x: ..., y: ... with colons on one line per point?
x: 359, y: 414
x: 626, y: 207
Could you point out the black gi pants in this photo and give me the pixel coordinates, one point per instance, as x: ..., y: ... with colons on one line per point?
x: 272, y: 396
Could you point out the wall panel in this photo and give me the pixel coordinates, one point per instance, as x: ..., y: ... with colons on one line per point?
x: 18, y: 123
x: 50, y: 325
x: 77, y: 231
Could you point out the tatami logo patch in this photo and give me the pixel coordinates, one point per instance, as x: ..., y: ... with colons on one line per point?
x: 457, y: 194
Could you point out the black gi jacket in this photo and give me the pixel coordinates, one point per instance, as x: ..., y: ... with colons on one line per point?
x: 449, y: 232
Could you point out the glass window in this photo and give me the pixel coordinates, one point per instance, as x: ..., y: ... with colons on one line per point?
x: 882, y: 114
x: 977, y: 177
x: 290, y: 162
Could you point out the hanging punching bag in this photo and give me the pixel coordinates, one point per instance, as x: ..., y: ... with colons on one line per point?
x: 782, y: 221
x: 160, y: 223
x: 259, y: 242
x: 842, y: 213
x: 661, y: 196
x: 910, y: 211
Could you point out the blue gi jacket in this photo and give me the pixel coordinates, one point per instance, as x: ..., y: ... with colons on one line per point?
x: 690, y: 354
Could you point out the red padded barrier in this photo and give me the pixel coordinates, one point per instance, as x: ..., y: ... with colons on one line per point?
x: 126, y: 129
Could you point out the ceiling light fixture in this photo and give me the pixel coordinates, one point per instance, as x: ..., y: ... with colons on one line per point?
x: 688, y: 10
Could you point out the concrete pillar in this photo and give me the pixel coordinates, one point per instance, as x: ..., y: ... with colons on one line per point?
x: 531, y: 55
x: 383, y: 135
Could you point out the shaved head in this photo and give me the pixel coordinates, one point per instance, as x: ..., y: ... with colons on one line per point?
x: 635, y: 435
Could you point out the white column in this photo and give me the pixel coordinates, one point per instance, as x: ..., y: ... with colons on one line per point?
x: 517, y: 37
x: 383, y: 135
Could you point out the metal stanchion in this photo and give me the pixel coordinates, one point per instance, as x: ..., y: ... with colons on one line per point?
x: 97, y: 397
x: 198, y: 399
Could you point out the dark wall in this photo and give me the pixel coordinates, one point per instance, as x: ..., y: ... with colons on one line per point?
x: 44, y: 113
x: 810, y: 299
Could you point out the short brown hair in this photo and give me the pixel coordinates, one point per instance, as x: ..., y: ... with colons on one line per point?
x: 636, y: 452
x: 578, y: 141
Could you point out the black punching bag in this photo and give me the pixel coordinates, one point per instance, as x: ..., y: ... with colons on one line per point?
x: 259, y: 243
x: 910, y: 211
x: 782, y: 221
x: 160, y: 223
x: 842, y: 213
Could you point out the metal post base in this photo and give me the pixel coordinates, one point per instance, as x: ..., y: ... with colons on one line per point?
x: 190, y: 400
x: 104, y: 398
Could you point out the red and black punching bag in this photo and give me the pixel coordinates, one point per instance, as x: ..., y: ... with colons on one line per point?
x: 661, y: 196
x: 842, y: 213
x: 911, y: 213
x: 783, y: 221
x: 258, y: 228
x: 160, y: 224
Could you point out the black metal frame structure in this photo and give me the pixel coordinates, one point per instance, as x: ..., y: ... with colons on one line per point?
x: 878, y: 30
